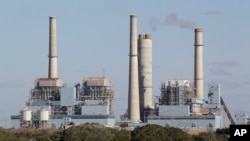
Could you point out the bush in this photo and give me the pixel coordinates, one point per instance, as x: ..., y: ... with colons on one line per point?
x: 88, y: 132
x: 159, y: 133
x: 121, y: 135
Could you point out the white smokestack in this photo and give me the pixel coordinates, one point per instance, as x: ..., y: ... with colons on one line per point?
x: 145, y: 73
x: 133, y: 94
x: 198, y: 63
x: 52, y: 49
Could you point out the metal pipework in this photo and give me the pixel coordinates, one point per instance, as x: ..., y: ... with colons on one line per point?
x: 198, y: 64
x: 133, y: 90
x: 52, y: 49
x: 145, y: 73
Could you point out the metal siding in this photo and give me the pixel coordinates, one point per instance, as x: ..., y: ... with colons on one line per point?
x: 68, y: 96
x: 49, y: 82
x: 174, y: 110
x: 95, y: 110
x: 214, y: 96
x: 103, y: 121
x: 185, y: 123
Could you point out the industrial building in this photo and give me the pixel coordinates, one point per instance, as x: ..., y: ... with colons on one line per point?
x: 52, y: 104
x: 181, y: 103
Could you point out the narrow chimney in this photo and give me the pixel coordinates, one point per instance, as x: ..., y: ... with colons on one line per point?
x: 145, y: 74
x: 133, y: 89
x: 52, y: 49
x: 198, y: 64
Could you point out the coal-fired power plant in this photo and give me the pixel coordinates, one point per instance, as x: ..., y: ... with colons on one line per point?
x: 133, y: 86
x: 181, y: 103
x: 52, y: 49
x: 53, y: 104
x: 198, y: 64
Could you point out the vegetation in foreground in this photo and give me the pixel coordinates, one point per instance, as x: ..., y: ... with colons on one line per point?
x: 96, y: 132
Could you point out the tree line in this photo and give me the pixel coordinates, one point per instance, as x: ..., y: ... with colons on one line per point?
x: 96, y: 132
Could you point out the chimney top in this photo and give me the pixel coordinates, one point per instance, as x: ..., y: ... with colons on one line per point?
x: 141, y: 37
x: 198, y: 30
x: 52, y: 17
x: 147, y: 36
x: 133, y: 16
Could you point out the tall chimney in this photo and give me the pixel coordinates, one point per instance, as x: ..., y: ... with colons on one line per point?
x: 198, y: 64
x: 52, y: 49
x: 145, y: 74
x: 133, y: 89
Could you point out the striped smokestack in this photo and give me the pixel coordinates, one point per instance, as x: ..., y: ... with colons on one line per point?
x: 52, y: 49
x: 133, y: 88
x: 198, y: 64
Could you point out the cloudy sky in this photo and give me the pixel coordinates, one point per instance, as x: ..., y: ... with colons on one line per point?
x: 94, y: 36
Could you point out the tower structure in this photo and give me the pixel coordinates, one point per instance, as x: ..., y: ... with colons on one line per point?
x: 52, y: 49
x: 198, y: 64
x: 133, y: 88
x: 145, y: 73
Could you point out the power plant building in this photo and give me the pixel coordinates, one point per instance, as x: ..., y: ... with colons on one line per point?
x: 177, y: 111
x: 181, y: 103
x: 52, y: 104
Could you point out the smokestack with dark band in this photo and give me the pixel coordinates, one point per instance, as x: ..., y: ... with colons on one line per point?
x: 133, y: 90
x: 52, y: 49
x: 198, y: 64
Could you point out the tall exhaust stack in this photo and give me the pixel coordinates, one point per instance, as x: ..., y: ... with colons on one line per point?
x: 198, y: 64
x: 145, y: 74
x: 133, y: 90
x: 52, y: 49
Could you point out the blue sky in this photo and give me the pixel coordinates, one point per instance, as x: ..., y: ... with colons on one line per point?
x: 93, y: 36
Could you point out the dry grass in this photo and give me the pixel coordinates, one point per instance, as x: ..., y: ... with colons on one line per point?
x: 32, y: 131
x: 196, y: 132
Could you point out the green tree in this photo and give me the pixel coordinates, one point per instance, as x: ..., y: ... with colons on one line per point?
x: 121, y: 135
x: 88, y: 132
x: 159, y: 133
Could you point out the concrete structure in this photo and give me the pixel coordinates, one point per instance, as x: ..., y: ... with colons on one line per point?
x: 133, y: 88
x: 145, y: 73
x: 52, y: 104
x: 52, y: 49
x: 198, y: 64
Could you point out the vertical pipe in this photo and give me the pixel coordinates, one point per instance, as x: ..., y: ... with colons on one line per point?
x: 145, y: 73
x: 198, y: 63
x: 52, y: 49
x: 133, y: 90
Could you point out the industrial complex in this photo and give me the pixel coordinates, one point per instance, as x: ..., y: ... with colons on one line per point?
x: 52, y: 104
x: 181, y: 103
